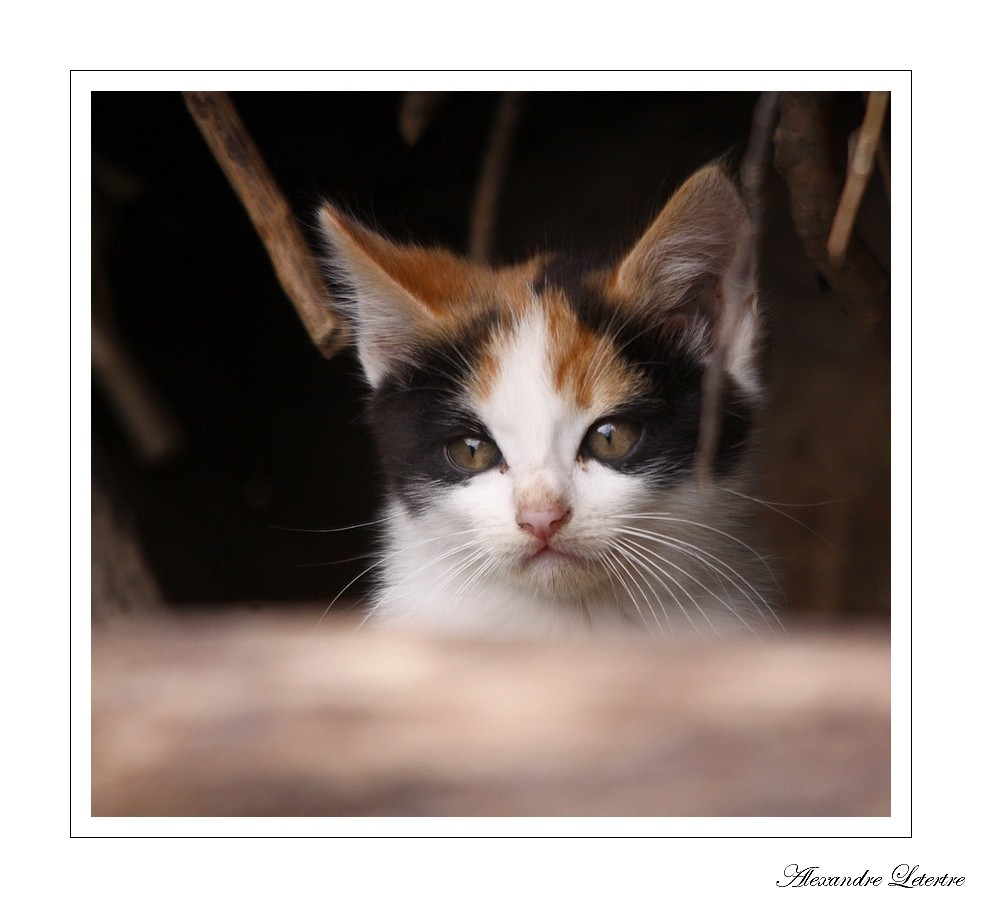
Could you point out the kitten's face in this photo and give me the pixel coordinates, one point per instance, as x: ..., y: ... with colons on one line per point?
x: 534, y: 443
x: 529, y: 418
x: 562, y: 447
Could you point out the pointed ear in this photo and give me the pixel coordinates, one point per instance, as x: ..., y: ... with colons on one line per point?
x: 393, y: 294
x: 694, y: 272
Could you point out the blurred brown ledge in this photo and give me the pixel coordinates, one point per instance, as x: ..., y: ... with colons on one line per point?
x: 272, y: 716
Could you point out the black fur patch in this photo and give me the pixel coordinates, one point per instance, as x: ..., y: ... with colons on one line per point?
x: 670, y: 410
x: 419, y: 409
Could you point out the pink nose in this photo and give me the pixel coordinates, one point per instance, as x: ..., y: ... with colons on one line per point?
x: 543, y: 523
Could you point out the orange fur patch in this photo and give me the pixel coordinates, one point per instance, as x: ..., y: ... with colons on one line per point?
x: 450, y: 288
x: 584, y: 364
x: 486, y: 370
x: 447, y: 293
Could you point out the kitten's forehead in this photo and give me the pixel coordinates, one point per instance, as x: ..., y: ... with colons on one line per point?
x: 545, y: 348
x: 533, y: 419
x: 585, y: 364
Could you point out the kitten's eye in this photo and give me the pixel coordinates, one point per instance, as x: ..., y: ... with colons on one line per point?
x: 473, y: 454
x: 611, y: 439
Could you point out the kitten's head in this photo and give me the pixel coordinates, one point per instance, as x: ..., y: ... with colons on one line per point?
x: 524, y: 414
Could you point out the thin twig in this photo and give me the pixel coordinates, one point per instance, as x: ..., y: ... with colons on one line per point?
x: 710, y: 416
x: 741, y: 288
x: 274, y: 222
x: 154, y: 433
x: 416, y: 112
x: 804, y: 158
x: 756, y: 161
x: 883, y: 165
x: 492, y: 176
x: 861, y: 166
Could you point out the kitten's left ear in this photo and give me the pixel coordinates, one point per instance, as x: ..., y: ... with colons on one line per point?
x: 694, y: 273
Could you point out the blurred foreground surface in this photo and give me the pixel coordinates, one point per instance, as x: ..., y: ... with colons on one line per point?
x: 223, y: 716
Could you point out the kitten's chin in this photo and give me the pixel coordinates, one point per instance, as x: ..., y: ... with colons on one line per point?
x: 556, y: 570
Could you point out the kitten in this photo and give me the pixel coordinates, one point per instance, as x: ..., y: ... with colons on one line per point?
x: 538, y: 424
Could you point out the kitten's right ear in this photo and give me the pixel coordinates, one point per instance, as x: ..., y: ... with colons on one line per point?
x: 693, y: 272
x: 383, y: 296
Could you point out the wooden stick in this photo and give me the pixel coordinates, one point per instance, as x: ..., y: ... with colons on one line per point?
x: 883, y: 163
x: 803, y: 158
x: 123, y: 584
x: 753, y: 172
x: 492, y: 176
x: 416, y: 112
x: 271, y: 216
x: 151, y: 428
x: 861, y: 166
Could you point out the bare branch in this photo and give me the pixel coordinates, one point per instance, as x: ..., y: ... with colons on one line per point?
x: 861, y: 165
x: 753, y: 174
x: 153, y: 431
x: 804, y: 159
x: 486, y: 198
x: 416, y: 113
x: 756, y: 161
x: 123, y: 585
x: 883, y: 163
x: 274, y: 222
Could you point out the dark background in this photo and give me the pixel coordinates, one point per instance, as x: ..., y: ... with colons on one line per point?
x: 273, y: 441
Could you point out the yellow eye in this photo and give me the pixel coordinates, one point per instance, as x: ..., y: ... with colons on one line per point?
x: 473, y: 455
x: 611, y: 439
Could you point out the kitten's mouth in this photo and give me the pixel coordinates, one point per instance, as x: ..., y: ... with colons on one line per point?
x: 551, y: 554
x: 556, y: 567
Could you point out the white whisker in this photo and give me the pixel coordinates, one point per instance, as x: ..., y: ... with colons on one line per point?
x: 645, y: 565
x: 344, y: 589
x: 723, y: 570
x: 641, y: 554
x: 614, y: 562
x: 645, y: 577
x: 354, y: 526
x: 771, y: 506
x: 670, y: 518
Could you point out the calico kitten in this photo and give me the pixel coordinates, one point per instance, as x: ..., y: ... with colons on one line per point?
x: 538, y: 427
